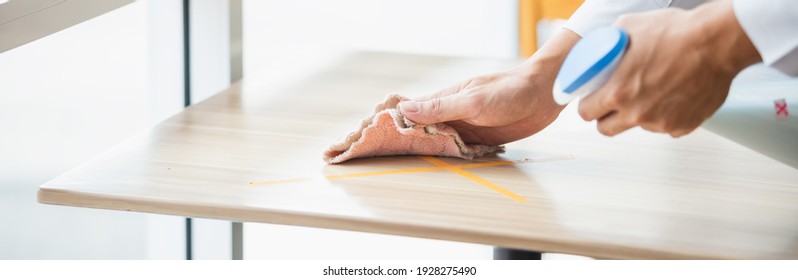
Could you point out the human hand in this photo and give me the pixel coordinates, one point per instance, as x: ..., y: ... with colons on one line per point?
x: 492, y: 109
x: 502, y: 107
x: 676, y: 71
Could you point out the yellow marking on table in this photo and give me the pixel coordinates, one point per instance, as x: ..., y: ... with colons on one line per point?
x: 439, y: 165
x: 473, y: 177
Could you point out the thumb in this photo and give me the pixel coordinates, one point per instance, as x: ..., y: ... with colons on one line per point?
x: 438, y: 110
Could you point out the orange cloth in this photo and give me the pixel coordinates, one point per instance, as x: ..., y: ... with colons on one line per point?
x: 387, y: 132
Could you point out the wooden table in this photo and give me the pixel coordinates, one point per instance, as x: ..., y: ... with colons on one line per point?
x: 638, y: 195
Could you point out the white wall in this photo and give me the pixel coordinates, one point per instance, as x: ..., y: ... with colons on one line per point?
x: 63, y: 100
x: 481, y: 28
x: 70, y: 96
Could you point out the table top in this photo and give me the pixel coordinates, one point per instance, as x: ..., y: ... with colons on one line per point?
x: 637, y: 195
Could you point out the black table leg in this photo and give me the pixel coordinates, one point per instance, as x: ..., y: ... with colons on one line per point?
x: 515, y: 254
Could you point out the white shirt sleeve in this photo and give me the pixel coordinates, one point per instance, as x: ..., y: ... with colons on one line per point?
x: 597, y: 13
x: 773, y: 28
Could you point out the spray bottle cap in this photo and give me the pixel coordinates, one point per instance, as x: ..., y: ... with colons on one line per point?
x: 590, y: 63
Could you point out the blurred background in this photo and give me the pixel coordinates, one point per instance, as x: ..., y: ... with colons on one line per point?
x: 74, y: 94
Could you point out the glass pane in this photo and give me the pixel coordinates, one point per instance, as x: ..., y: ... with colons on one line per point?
x: 64, y: 99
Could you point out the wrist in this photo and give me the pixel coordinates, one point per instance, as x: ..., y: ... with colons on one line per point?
x: 721, y: 39
x: 547, y: 60
x: 541, y: 69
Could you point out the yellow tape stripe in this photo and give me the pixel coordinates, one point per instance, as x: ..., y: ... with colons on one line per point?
x: 411, y: 170
x: 475, y: 178
x: 384, y: 172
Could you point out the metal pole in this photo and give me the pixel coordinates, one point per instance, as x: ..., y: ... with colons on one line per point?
x: 187, y: 96
x: 236, y: 72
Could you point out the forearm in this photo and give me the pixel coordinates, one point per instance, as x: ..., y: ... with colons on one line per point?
x: 548, y: 59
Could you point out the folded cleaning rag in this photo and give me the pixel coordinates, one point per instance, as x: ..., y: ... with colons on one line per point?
x: 387, y: 132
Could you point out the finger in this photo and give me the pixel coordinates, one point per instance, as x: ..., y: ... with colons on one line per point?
x: 650, y: 127
x: 454, y: 89
x: 613, y: 124
x: 438, y: 110
x: 595, y: 106
x: 676, y: 133
x: 609, y: 97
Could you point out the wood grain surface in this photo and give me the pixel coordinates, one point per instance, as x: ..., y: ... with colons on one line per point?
x: 637, y: 195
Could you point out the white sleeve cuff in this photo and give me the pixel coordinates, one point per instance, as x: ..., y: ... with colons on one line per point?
x: 773, y: 28
x: 599, y: 13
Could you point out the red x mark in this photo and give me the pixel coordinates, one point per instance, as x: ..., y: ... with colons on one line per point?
x: 781, y: 108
